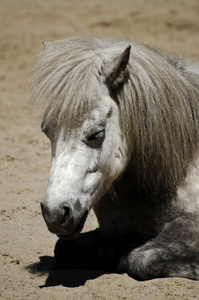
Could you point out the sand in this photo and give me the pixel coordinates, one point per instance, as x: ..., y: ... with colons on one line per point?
x: 25, y: 152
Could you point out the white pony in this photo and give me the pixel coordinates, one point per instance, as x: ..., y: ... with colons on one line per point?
x: 123, y: 121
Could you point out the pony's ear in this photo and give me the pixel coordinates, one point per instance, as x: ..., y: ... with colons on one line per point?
x: 116, y: 68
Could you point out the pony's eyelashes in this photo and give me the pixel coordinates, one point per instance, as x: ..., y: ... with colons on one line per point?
x: 96, y: 136
x: 95, y: 139
x: 49, y: 131
x: 44, y: 128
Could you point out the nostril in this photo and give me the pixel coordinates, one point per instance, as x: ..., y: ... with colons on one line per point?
x: 66, y: 214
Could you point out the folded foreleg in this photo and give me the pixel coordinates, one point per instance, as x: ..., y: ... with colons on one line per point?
x: 173, y: 253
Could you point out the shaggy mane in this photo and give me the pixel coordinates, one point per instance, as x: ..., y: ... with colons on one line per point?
x: 158, y: 102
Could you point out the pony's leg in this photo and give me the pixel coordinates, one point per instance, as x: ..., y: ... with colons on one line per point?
x: 91, y: 251
x: 173, y: 253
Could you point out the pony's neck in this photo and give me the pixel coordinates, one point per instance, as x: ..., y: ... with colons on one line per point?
x: 132, y: 183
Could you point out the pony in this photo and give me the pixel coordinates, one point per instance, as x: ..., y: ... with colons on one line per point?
x: 123, y: 122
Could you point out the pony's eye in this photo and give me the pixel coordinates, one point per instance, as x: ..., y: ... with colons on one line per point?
x: 96, y: 136
x: 96, y: 139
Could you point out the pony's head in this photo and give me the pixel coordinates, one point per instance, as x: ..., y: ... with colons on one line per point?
x: 105, y: 110
x: 82, y: 122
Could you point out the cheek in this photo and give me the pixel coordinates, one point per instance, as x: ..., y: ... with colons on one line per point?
x: 92, y: 182
x: 114, y: 155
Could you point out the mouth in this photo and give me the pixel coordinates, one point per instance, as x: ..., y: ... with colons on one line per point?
x: 77, y: 230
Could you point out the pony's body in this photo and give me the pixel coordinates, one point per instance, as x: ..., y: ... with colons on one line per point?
x: 124, y: 126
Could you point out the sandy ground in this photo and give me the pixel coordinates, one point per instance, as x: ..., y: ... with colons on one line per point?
x: 25, y: 152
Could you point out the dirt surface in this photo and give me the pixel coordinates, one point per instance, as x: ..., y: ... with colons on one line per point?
x: 25, y: 152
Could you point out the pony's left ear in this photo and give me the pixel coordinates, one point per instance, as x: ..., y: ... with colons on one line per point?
x: 116, y: 68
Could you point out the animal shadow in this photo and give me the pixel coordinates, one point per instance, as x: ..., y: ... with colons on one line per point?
x: 60, y: 276
x: 85, y: 258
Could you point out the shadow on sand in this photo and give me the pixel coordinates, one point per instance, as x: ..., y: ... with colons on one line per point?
x: 58, y: 276
x: 87, y: 257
